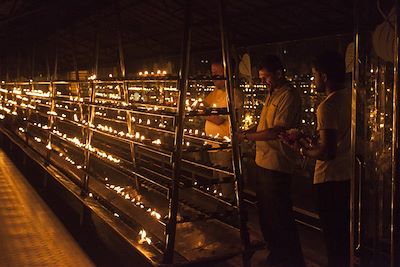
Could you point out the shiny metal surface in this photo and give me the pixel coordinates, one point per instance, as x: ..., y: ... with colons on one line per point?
x: 355, y: 77
x: 236, y: 155
x: 375, y: 145
x: 30, y: 234
x: 395, y: 206
x: 177, y: 153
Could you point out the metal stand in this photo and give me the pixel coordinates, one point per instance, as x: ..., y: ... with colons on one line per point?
x: 236, y: 158
x: 177, y: 154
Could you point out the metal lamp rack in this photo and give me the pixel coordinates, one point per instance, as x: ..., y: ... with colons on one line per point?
x: 124, y: 143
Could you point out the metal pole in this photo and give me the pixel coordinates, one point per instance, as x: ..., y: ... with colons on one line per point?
x: 18, y: 66
x: 33, y: 62
x: 131, y: 131
x: 129, y: 123
x: 395, y: 205
x: 236, y: 158
x: 96, y: 53
x: 353, y: 189
x: 78, y: 85
x: 51, y: 118
x: 177, y: 153
x: 74, y: 58
x: 47, y: 68
x: 91, y: 115
x: 55, y: 66
x: 53, y: 91
x: 120, y: 47
x: 89, y: 134
x: 7, y: 69
x: 32, y: 87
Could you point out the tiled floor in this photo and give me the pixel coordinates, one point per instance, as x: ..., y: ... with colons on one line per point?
x: 30, y: 234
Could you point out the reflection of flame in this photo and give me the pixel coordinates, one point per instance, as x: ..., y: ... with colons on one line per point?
x: 157, y: 142
x: 248, y: 121
x: 48, y: 146
x: 143, y: 237
x: 227, y: 139
x: 156, y: 214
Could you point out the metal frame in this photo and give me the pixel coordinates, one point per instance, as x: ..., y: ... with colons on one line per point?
x: 356, y: 225
x: 355, y: 83
x: 395, y: 205
x: 178, y: 115
x: 177, y: 154
x: 60, y: 100
x: 236, y: 155
x: 88, y: 140
x: 125, y: 87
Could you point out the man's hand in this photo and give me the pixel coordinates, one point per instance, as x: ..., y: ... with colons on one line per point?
x: 295, y: 140
x: 295, y: 145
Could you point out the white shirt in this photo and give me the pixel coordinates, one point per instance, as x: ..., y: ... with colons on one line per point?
x: 218, y: 99
x: 334, y: 113
x: 281, y: 108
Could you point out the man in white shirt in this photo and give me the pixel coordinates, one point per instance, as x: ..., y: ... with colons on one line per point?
x: 332, y: 151
x: 219, y: 125
x: 275, y: 163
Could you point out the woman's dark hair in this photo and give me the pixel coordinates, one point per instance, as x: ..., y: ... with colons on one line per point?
x: 332, y: 64
x: 271, y: 63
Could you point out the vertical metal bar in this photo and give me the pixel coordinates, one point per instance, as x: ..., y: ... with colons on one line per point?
x: 131, y: 131
x: 55, y: 66
x: 51, y: 117
x: 48, y: 77
x: 91, y: 115
x: 7, y: 69
x: 33, y: 62
x: 96, y: 53
x: 78, y: 85
x: 129, y: 124
x: 177, y: 153
x: 53, y: 92
x: 355, y: 82
x: 236, y: 158
x: 395, y: 205
x: 29, y: 115
x: 89, y: 134
x: 120, y: 46
x: 74, y: 57
x: 360, y: 169
x: 18, y: 65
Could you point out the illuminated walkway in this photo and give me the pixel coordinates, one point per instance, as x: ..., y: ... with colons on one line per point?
x: 30, y: 234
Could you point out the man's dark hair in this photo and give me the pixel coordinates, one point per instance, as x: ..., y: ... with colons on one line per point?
x: 332, y: 64
x: 218, y: 60
x: 271, y: 63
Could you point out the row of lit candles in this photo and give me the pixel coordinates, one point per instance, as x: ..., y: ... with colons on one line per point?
x: 158, y: 73
x: 195, y: 103
x: 78, y: 143
x: 121, y: 133
x: 190, y: 104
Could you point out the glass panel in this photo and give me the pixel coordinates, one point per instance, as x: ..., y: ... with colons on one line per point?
x: 373, y: 151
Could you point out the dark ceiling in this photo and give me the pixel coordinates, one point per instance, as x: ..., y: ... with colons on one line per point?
x: 35, y: 30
